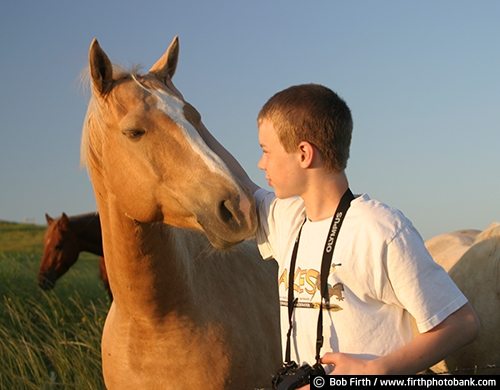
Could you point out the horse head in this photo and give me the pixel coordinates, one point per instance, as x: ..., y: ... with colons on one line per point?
x: 60, y: 252
x: 143, y: 148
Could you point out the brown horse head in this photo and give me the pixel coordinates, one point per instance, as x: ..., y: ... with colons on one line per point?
x: 144, y: 151
x: 61, y: 250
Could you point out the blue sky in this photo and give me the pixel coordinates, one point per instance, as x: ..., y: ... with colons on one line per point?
x: 421, y: 77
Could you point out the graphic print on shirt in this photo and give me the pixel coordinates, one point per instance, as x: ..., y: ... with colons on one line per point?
x: 307, y: 289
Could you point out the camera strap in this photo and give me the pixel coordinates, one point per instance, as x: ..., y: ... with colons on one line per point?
x: 326, y: 262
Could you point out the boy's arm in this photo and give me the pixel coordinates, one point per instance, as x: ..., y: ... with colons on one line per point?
x: 426, y: 349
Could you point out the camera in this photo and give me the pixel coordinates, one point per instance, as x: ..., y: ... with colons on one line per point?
x: 291, y: 376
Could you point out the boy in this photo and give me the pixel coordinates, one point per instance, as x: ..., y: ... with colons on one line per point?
x: 380, y: 270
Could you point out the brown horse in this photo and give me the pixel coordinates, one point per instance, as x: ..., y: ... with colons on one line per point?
x: 65, y: 238
x: 186, y: 314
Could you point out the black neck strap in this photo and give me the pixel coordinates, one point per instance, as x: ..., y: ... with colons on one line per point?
x: 326, y: 262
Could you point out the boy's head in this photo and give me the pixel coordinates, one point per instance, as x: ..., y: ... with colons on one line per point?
x: 312, y: 113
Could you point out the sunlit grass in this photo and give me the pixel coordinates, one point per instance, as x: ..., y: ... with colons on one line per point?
x: 21, y: 237
x: 50, y: 340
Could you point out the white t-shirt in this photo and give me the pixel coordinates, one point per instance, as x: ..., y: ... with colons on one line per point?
x: 381, y: 271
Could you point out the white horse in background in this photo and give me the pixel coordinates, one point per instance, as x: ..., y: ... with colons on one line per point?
x: 472, y: 259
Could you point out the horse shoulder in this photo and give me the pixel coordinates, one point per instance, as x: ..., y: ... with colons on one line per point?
x: 477, y: 274
x: 446, y: 249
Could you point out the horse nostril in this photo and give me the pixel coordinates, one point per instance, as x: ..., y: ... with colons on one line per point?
x: 225, y: 214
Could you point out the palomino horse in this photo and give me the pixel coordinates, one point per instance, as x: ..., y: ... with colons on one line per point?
x: 65, y: 238
x: 472, y: 259
x: 185, y: 315
x: 446, y: 249
x: 477, y: 274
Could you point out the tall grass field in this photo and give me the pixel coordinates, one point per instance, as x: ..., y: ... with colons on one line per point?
x: 48, y: 340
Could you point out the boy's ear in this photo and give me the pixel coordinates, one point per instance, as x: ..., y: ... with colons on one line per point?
x: 308, y: 154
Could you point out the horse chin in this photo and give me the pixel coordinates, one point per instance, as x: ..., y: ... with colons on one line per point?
x: 219, y: 242
x: 47, y: 283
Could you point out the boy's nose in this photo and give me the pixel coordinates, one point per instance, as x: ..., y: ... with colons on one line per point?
x: 261, y: 164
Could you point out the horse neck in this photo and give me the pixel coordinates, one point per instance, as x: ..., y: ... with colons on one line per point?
x: 87, y: 229
x: 148, y: 268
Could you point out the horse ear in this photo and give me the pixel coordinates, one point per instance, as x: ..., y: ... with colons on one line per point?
x: 64, y: 219
x: 167, y: 64
x: 49, y: 219
x: 101, y: 69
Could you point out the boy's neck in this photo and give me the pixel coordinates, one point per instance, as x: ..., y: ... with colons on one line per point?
x: 323, y: 195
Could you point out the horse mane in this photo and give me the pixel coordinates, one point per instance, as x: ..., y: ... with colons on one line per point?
x: 89, y: 153
x: 490, y: 232
x: 487, y: 245
x: 83, y: 217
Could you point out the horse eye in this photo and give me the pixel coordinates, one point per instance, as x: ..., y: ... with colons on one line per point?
x: 59, y: 247
x: 134, y: 134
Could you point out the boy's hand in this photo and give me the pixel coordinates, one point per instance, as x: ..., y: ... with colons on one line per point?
x: 346, y: 364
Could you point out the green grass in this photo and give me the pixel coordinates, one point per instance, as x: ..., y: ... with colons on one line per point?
x: 48, y: 340
x: 21, y: 237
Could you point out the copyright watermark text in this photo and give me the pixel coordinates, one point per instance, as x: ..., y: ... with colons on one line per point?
x: 325, y: 382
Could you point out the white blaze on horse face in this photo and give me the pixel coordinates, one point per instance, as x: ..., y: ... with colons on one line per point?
x: 174, y: 108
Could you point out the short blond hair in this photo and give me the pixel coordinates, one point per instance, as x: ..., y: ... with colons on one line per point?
x: 312, y: 113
